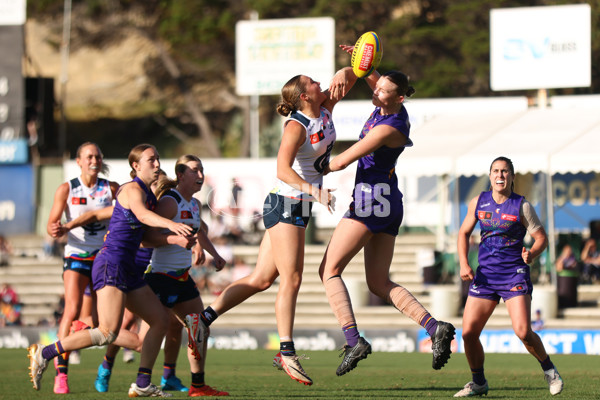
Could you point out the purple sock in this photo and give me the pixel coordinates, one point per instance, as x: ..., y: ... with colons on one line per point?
x: 547, y: 364
x: 351, y: 334
x: 478, y: 376
x: 62, y: 365
x: 168, y: 370
x: 108, y: 362
x: 52, y: 350
x: 144, y: 377
x: 430, y: 324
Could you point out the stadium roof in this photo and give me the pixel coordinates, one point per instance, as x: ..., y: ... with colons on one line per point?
x: 563, y: 138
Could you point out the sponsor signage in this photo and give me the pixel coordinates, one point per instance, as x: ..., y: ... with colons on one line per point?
x: 11, y: 83
x: 17, y: 203
x: 556, y: 341
x: 540, y: 47
x: 270, y: 52
x: 13, y: 151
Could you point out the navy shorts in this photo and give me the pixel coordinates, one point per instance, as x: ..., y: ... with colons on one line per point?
x: 84, y: 267
x: 171, y: 291
x: 124, y: 276
x: 279, y: 208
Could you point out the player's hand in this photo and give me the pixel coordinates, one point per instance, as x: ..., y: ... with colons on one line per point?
x: 199, y: 256
x: 187, y: 242
x: 57, y: 230
x: 346, y: 48
x: 219, y: 262
x: 327, y: 199
x: 466, y: 273
x: 180, y: 228
x: 526, y: 254
x: 337, y: 87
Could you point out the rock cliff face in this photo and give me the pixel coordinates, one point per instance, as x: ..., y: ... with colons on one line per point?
x: 116, y: 72
x: 101, y: 82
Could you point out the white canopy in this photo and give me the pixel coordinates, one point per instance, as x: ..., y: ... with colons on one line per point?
x: 559, y: 139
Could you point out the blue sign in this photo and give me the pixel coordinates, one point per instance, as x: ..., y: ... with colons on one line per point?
x: 17, y: 209
x: 556, y: 341
x: 13, y: 151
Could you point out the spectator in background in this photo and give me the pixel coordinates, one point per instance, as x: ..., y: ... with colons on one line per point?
x: 567, y: 261
x: 236, y: 189
x: 10, y: 308
x: 590, y: 258
x: 538, y: 323
x: 5, y: 251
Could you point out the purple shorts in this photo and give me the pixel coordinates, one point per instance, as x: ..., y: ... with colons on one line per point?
x: 122, y: 275
x: 495, y: 292
x: 378, y: 217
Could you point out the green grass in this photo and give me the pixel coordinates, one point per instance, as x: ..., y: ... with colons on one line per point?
x: 249, y: 375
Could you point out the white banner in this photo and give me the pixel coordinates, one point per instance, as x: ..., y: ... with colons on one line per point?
x: 12, y: 12
x: 540, y: 47
x: 270, y: 52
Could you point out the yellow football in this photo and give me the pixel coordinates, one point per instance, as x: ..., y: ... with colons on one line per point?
x: 366, y: 54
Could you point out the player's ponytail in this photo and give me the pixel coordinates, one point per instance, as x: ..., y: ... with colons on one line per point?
x: 290, y: 96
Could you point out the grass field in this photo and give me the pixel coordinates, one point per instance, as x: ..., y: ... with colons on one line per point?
x: 249, y: 375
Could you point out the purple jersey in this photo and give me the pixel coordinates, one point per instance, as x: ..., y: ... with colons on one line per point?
x: 502, y: 234
x: 377, y: 201
x: 125, y: 233
x: 379, y: 166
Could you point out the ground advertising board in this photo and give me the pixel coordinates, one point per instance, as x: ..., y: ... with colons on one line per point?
x: 540, y: 47
x: 17, y: 201
x: 270, y: 52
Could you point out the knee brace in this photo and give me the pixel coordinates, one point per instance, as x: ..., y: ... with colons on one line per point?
x: 100, y: 339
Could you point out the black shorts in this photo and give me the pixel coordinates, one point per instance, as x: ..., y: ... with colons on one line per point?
x: 279, y: 208
x: 84, y: 267
x: 172, y: 291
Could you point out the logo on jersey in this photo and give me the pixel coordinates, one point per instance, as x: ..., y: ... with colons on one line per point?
x: 317, y: 137
x: 508, y: 217
x: 484, y: 214
x: 79, y: 201
x: 517, y: 288
x: 185, y: 214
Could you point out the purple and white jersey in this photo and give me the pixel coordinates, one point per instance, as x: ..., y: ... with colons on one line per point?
x: 125, y: 233
x: 502, y: 234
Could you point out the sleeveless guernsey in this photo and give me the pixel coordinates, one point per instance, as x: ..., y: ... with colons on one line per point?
x: 313, y: 155
x: 84, y: 241
x: 125, y: 232
x: 502, y: 235
x: 174, y: 260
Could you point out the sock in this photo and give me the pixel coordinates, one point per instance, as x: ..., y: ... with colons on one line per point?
x: 287, y: 348
x: 144, y: 377
x: 197, y: 379
x: 351, y: 334
x: 478, y: 376
x: 168, y: 370
x: 53, y: 350
x: 62, y: 365
x: 430, y: 324
x: 108, y: 362
x: 208, y: 315
x: 547, y: 364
